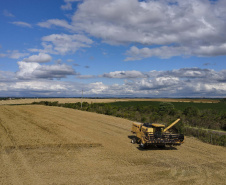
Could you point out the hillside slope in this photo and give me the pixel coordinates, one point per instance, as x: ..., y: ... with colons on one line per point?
x: 53, y: 145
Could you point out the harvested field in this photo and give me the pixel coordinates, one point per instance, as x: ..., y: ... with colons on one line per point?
x: 54, y: 145
x: 89, y: 100
x: 60, y: 100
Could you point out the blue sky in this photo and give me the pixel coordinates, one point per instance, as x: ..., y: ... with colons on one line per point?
x: 113, y: 48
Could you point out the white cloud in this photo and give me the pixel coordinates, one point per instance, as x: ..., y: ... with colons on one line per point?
x: 68, y: 5
x: 173, y: 27
x: 117, y: 74
x: 163, y: 52
x: 97, y: 88
x: 35, y: 70
x: 160, y: 83
x: 58, y: 61
x: 34, y: 80
x: 26, y: 69
x: 55, y: 22
x: 23, y: 24
x: 211, y: 50
x: 6, y: 76
x: 7, y: 13
x: 39, y: 86
x: 64, y: 44
x: 190, y: 82
x: 15, y: 54
x: 71, y: 1
x: 40, y: 58
x: 124, y: 74
x: 166, y: 52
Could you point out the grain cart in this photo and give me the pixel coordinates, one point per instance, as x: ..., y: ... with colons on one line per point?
x: 155, y: 134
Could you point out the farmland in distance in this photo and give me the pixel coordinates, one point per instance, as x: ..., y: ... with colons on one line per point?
x: 99, y: 100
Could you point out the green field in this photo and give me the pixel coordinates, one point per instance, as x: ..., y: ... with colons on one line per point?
x: 221, y: 107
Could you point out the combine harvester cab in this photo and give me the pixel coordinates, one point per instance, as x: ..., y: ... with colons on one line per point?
x: 155, y: 134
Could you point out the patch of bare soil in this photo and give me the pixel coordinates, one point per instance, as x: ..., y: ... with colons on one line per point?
x: 53, y: 145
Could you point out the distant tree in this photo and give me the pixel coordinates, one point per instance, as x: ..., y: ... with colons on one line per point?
x: 166, y: 108
x: 191, y: 111
x: 223, y: 100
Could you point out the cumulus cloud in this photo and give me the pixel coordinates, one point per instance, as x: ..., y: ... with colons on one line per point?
x: 15, y: 54
x: 174, y: 27
x: 63, y: 43
x: 40, y: 58
x: 184, y: 82
x: 7, y: 76
x: 55, y: 22
x: 159, y: 83
x: 124, y: 74
x: 190, y: 82
x: 33, y: 88
x: 23, y: 24
x: 34, y: 79
x: 163, y: 52
x: 197, y: 74
x: 28, y: 70
x: 68, y: 5
x: 166, y: 52
x: 58, y: 61
x: 97, y: 88
x: 42, y: 86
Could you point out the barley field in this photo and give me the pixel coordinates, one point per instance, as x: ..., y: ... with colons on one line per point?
x: 55, y: 145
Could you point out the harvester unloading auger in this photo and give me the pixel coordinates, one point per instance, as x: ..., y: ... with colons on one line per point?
x: 155, y: 134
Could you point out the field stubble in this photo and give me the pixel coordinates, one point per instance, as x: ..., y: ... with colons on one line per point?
x: 54, y: 145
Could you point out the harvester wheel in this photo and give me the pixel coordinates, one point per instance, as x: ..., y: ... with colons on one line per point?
x: 143, y: 145
x: 134, y: 140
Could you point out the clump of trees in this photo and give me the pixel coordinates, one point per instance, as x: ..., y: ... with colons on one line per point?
x: 223, y: 100
x: 4, y: 98
x: 206, y: 136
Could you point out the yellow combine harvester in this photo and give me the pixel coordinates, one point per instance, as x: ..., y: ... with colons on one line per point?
x: 155, y: 134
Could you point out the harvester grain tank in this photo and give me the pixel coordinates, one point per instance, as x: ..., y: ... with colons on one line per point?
x: 155, y: 134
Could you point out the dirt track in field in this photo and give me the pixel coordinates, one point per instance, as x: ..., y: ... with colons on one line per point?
x: 53, y: 145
